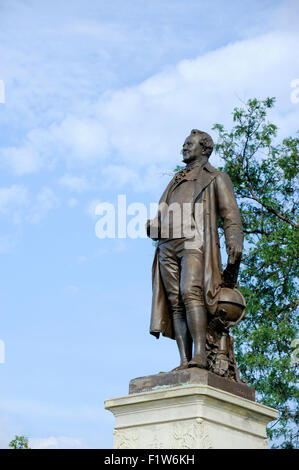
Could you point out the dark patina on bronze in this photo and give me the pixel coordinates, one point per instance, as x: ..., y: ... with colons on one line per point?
x: 194, y: 301
x: 191, y: 376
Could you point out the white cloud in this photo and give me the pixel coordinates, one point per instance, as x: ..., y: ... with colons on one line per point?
x: 8, y: 430
x: 74, y: 183
x: 132, y: 134
x: 33, y: 155
x: 51, y: 410
x: 12, y: 198
x: 46, y: 200
x: 14, y: 202
x: 97, y: 31
x: 147, y: 123
x: 78, y: 140
x: 18, y: 205
x: 22, y: 160
x: 83, y: 139
x: 121, y: 177
x: 60, y: 442
x: 91, y: 208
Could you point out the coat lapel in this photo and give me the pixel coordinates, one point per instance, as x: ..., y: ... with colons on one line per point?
x: 204, y: 179
x: 202, y: 176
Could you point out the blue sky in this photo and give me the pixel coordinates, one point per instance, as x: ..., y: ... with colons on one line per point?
x: 99, y: 96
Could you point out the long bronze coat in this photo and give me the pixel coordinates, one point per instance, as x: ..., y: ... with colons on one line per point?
x: 214, y: 188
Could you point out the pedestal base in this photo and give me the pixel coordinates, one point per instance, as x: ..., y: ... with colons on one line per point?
x: 189, y: 416
x: 190, y: 376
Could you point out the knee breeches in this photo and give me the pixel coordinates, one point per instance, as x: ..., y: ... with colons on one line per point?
x: 182, y: 275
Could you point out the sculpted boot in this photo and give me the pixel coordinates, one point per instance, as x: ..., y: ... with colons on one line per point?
x: 197, y: 324
x: 183, y: 339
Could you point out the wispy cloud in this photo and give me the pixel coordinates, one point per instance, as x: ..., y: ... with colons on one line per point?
x: 8, y: 429
x: 18, y: 205
x: 13, y: 198
x: 76, y: 184
x: 14, y: 204
x: 99, y: 97
x: 46, y: 200
x: 60, y: 442
x: 139, y: 130
x: 51, y: 410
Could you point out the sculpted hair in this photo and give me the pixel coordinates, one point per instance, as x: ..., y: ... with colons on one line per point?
x: 205, y: 140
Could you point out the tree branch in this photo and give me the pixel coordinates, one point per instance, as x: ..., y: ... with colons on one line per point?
x: 270, y: 209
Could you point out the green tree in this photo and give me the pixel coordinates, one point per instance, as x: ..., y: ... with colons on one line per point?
x: 19, y: 442
x: 264, y: 175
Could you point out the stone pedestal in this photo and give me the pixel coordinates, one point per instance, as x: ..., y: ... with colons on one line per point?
x: 185, y: 410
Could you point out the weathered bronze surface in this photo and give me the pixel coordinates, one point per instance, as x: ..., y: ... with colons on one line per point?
x: 191, y: 376
x: 187, y: 276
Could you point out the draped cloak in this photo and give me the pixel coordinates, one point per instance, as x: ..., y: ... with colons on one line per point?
x: 215, y: 190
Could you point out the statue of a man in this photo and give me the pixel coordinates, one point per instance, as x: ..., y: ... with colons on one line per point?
x: 187, y: 270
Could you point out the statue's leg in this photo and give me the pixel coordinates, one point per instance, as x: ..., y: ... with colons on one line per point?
x: 183, y: 339
x: 192, y: 293
x: 170, y: 273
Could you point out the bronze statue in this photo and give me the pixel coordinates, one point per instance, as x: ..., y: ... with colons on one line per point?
x: 194, y: 301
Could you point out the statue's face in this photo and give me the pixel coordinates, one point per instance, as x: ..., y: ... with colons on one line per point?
x: 192, y: 149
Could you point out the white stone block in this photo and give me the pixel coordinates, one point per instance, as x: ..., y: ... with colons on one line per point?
x: 189, y: 417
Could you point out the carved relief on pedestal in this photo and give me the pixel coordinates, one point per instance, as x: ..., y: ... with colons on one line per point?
x: 191, y: 435
x: 157, y: 443
x: 125, y: 439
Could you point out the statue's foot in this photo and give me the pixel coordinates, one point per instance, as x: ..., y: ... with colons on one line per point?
x: 181, y: 367
x: 198, y: 361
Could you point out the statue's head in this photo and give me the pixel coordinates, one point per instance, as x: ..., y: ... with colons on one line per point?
x: 197, y: 145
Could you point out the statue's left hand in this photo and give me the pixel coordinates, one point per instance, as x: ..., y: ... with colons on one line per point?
x: 234, y: 250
